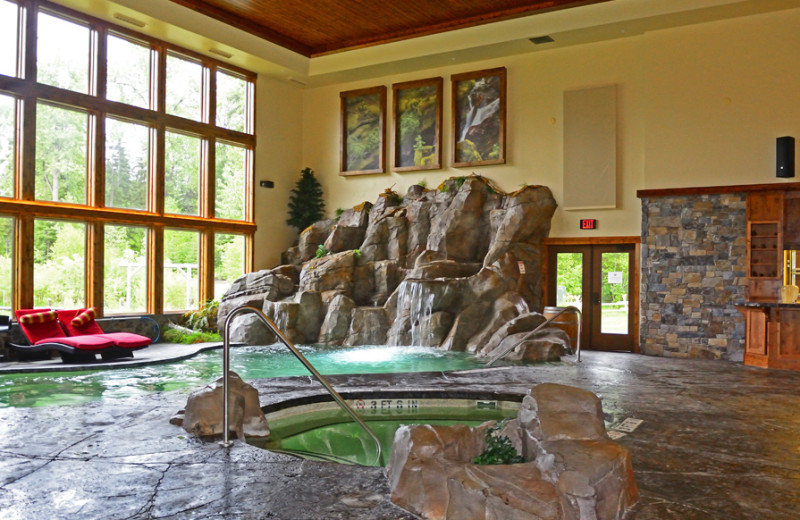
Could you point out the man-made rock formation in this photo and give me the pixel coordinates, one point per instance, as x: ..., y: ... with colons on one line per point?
x: 443, y: 268
x: 572, y: 470
x: 203, y: 414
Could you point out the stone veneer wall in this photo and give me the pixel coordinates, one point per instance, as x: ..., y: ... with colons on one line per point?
x: 694, y: 256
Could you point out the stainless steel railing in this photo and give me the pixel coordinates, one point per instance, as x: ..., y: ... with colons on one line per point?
x: 498, y: 353
x: 226, y: 442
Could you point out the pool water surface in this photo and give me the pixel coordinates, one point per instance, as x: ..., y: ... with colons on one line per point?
x: 322, y: 431
x: 250, y: 362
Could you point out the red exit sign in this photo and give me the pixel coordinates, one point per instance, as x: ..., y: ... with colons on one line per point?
x: 588, y: 223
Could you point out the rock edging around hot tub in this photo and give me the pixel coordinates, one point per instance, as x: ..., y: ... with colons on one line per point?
x: 573, y: 471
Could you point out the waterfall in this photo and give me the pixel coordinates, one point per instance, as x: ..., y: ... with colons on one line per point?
x: 417, y: 298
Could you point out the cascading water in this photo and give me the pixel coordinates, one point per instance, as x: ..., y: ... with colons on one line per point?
x: 417, y: 298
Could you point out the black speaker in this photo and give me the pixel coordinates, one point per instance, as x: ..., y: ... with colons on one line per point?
x: 784, y: 157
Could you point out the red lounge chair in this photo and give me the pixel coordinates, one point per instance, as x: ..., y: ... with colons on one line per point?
x: 43, y: 332
x: 81, y: 322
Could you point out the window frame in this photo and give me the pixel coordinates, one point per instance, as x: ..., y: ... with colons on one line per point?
x: 24, y: 208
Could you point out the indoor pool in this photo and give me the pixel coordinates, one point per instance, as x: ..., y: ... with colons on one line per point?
x: 322, y: 431
x: 250, y: 362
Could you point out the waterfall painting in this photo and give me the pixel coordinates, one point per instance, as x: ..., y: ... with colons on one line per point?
x: 417, y: 125
x: 363, y: 116
x: 479, y: 117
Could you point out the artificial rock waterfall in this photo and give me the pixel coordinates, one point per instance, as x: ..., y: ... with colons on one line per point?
x: 458, y: 267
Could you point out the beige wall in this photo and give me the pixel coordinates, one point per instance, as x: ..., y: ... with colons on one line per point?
x: 717, y: 96
x: 279, y: 110
x: 700, y: 105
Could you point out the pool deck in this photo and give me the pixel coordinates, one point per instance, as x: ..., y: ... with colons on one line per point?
x: 718, y: 441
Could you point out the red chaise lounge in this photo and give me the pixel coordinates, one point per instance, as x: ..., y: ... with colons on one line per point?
x: 75, y: 335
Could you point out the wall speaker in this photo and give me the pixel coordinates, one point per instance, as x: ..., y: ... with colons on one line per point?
x: 784, y: 166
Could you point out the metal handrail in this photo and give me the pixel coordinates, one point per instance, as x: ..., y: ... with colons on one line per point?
x: 496, y: 356
x: 271, y: 325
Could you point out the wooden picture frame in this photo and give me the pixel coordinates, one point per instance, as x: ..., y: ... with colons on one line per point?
x: 417, y: 125
x: 479, y: 117
x: 363, y: 130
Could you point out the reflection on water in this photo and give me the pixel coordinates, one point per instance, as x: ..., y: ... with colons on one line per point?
x: 65, y: 388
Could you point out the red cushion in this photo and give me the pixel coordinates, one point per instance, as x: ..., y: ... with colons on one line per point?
x: 93, y: 342
x: 67, y: 317
x: 38, y: 331
x: 84, y: 317
x: 127, y: 339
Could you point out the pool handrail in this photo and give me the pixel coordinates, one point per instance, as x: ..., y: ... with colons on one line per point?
x: 226, y: 442
x: 498, y: 353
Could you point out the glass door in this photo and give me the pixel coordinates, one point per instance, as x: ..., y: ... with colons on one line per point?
x: 597, y: 280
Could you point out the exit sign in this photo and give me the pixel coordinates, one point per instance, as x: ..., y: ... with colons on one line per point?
x: 588, y: 223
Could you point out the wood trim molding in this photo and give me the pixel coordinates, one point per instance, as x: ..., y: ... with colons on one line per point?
x: 588, y: 241
x: 714, y: 190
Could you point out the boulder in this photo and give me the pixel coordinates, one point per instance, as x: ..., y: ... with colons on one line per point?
x: 349, y: 231
x: 331, y: 272
x: 337, y: 320
x: 253, y: 288
x: 312, y: 237
x: 457, y: 231
x: 203, y: 414
x: 368, y: 327
x: 572, y: 471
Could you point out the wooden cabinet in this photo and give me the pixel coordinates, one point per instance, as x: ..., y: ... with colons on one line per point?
x: 765, y: 218
x: 772, y: 335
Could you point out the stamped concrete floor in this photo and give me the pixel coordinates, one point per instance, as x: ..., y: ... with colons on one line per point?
x: 718, y: 441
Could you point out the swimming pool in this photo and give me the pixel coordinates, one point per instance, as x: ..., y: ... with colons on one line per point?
x: 250, y: 362
x: 322, y: 431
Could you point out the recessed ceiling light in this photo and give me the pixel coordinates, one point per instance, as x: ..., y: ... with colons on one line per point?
x: 538, y: 40
x: 127, y: 19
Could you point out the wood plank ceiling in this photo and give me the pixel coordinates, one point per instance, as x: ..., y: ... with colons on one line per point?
x: 318, y: 27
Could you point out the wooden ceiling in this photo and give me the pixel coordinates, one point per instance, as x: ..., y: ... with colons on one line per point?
x: 318, y: 27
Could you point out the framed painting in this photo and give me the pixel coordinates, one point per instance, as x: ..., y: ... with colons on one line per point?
x: 479, y: 117
x: 363, y: 116
x: 417, y: 112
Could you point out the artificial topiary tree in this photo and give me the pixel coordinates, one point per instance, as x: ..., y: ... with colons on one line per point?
x: 305, y: 204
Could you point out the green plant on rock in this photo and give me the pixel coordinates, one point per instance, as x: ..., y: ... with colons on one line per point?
x: 203, y: 319
x: 499, y: 449
x: 190, y: 338
x: 305, y: 202
x: 321, y: 251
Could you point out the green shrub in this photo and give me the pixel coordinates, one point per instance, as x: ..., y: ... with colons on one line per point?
x: 499, y: 449
x: 178, y: 336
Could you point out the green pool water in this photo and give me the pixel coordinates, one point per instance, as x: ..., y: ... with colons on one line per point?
x: 323, y: 432
x: 251, y: 362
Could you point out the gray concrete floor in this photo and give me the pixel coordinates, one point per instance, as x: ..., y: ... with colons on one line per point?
x: 719, y: 441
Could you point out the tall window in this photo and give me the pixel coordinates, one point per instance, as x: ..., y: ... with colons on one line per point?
x: 61, y: 146
x: 8, y: 38
x: 125, y: 270
x: 128, y: 72
x: 127, y: 164
x: 62, y: 49
x: 6, y: 259
x: 228, y: 262
x: 7, y: 125
x: 123, y: 199
x: 181, y: 269
x: 182, y: 175
x: 59, y: 264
